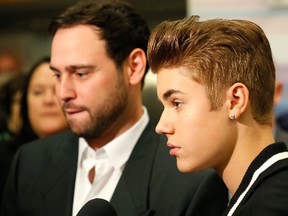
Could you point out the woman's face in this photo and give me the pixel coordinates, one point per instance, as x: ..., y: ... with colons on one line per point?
x: 44, y: 111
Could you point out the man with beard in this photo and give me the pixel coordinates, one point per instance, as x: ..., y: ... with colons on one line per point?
x: 112, y: 151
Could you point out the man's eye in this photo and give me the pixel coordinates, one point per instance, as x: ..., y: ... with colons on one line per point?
x: 57, y: 75
x: 81, y: 74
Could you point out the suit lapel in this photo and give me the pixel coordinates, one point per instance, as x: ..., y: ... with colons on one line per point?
x: 57, y: 183
x: 131, y: 194
x: 132, y: 191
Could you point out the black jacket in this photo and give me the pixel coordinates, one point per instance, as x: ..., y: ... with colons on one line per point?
x: 41, y: 181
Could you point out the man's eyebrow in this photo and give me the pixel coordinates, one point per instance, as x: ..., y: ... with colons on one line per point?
x: 52, y: 68
x: 170, y: 92
x: 73, y: 67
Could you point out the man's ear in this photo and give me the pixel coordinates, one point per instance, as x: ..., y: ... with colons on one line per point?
x: 238, y: 96
x: 136, y: 66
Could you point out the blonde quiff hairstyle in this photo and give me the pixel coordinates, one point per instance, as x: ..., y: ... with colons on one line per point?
x: 218, y: 53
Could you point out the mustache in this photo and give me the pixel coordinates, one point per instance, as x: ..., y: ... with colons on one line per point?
x: 72, y: 106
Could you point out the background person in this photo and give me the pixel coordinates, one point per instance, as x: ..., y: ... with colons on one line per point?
x: 41, y: 113
x: 33, y: 112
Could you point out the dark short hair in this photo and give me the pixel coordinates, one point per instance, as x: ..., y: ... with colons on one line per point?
x: 121, y: 26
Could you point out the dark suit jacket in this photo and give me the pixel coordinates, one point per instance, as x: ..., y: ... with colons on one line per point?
x: 41, y: 181
x: 7, y: 151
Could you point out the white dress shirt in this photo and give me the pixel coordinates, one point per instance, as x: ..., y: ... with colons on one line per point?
x: 109, y: 162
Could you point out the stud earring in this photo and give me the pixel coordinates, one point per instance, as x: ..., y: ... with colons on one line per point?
x: 232, y: 116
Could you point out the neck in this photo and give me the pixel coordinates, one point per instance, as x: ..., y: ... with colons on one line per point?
x: 246, y: 149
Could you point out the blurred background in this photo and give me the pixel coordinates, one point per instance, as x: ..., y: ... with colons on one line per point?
x: 23, y: 23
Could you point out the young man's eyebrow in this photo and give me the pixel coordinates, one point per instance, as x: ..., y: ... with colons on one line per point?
x: 169, y: 92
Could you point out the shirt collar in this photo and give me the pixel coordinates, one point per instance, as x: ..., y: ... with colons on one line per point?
x: 120, y: 148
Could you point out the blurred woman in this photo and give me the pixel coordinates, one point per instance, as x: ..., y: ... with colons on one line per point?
x: 41, y: 112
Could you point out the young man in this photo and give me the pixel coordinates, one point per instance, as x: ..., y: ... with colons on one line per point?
x: 216, y: 80
x: 98, y: 57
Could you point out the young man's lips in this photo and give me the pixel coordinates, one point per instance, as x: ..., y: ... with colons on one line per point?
x: 173, y: 149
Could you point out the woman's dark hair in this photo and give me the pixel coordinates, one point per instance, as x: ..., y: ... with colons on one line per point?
x: 7, y: 96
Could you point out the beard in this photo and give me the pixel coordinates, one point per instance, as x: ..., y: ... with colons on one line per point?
x: 102, y: 118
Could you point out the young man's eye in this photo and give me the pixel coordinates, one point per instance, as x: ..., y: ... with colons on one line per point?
x: 177, y: 104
